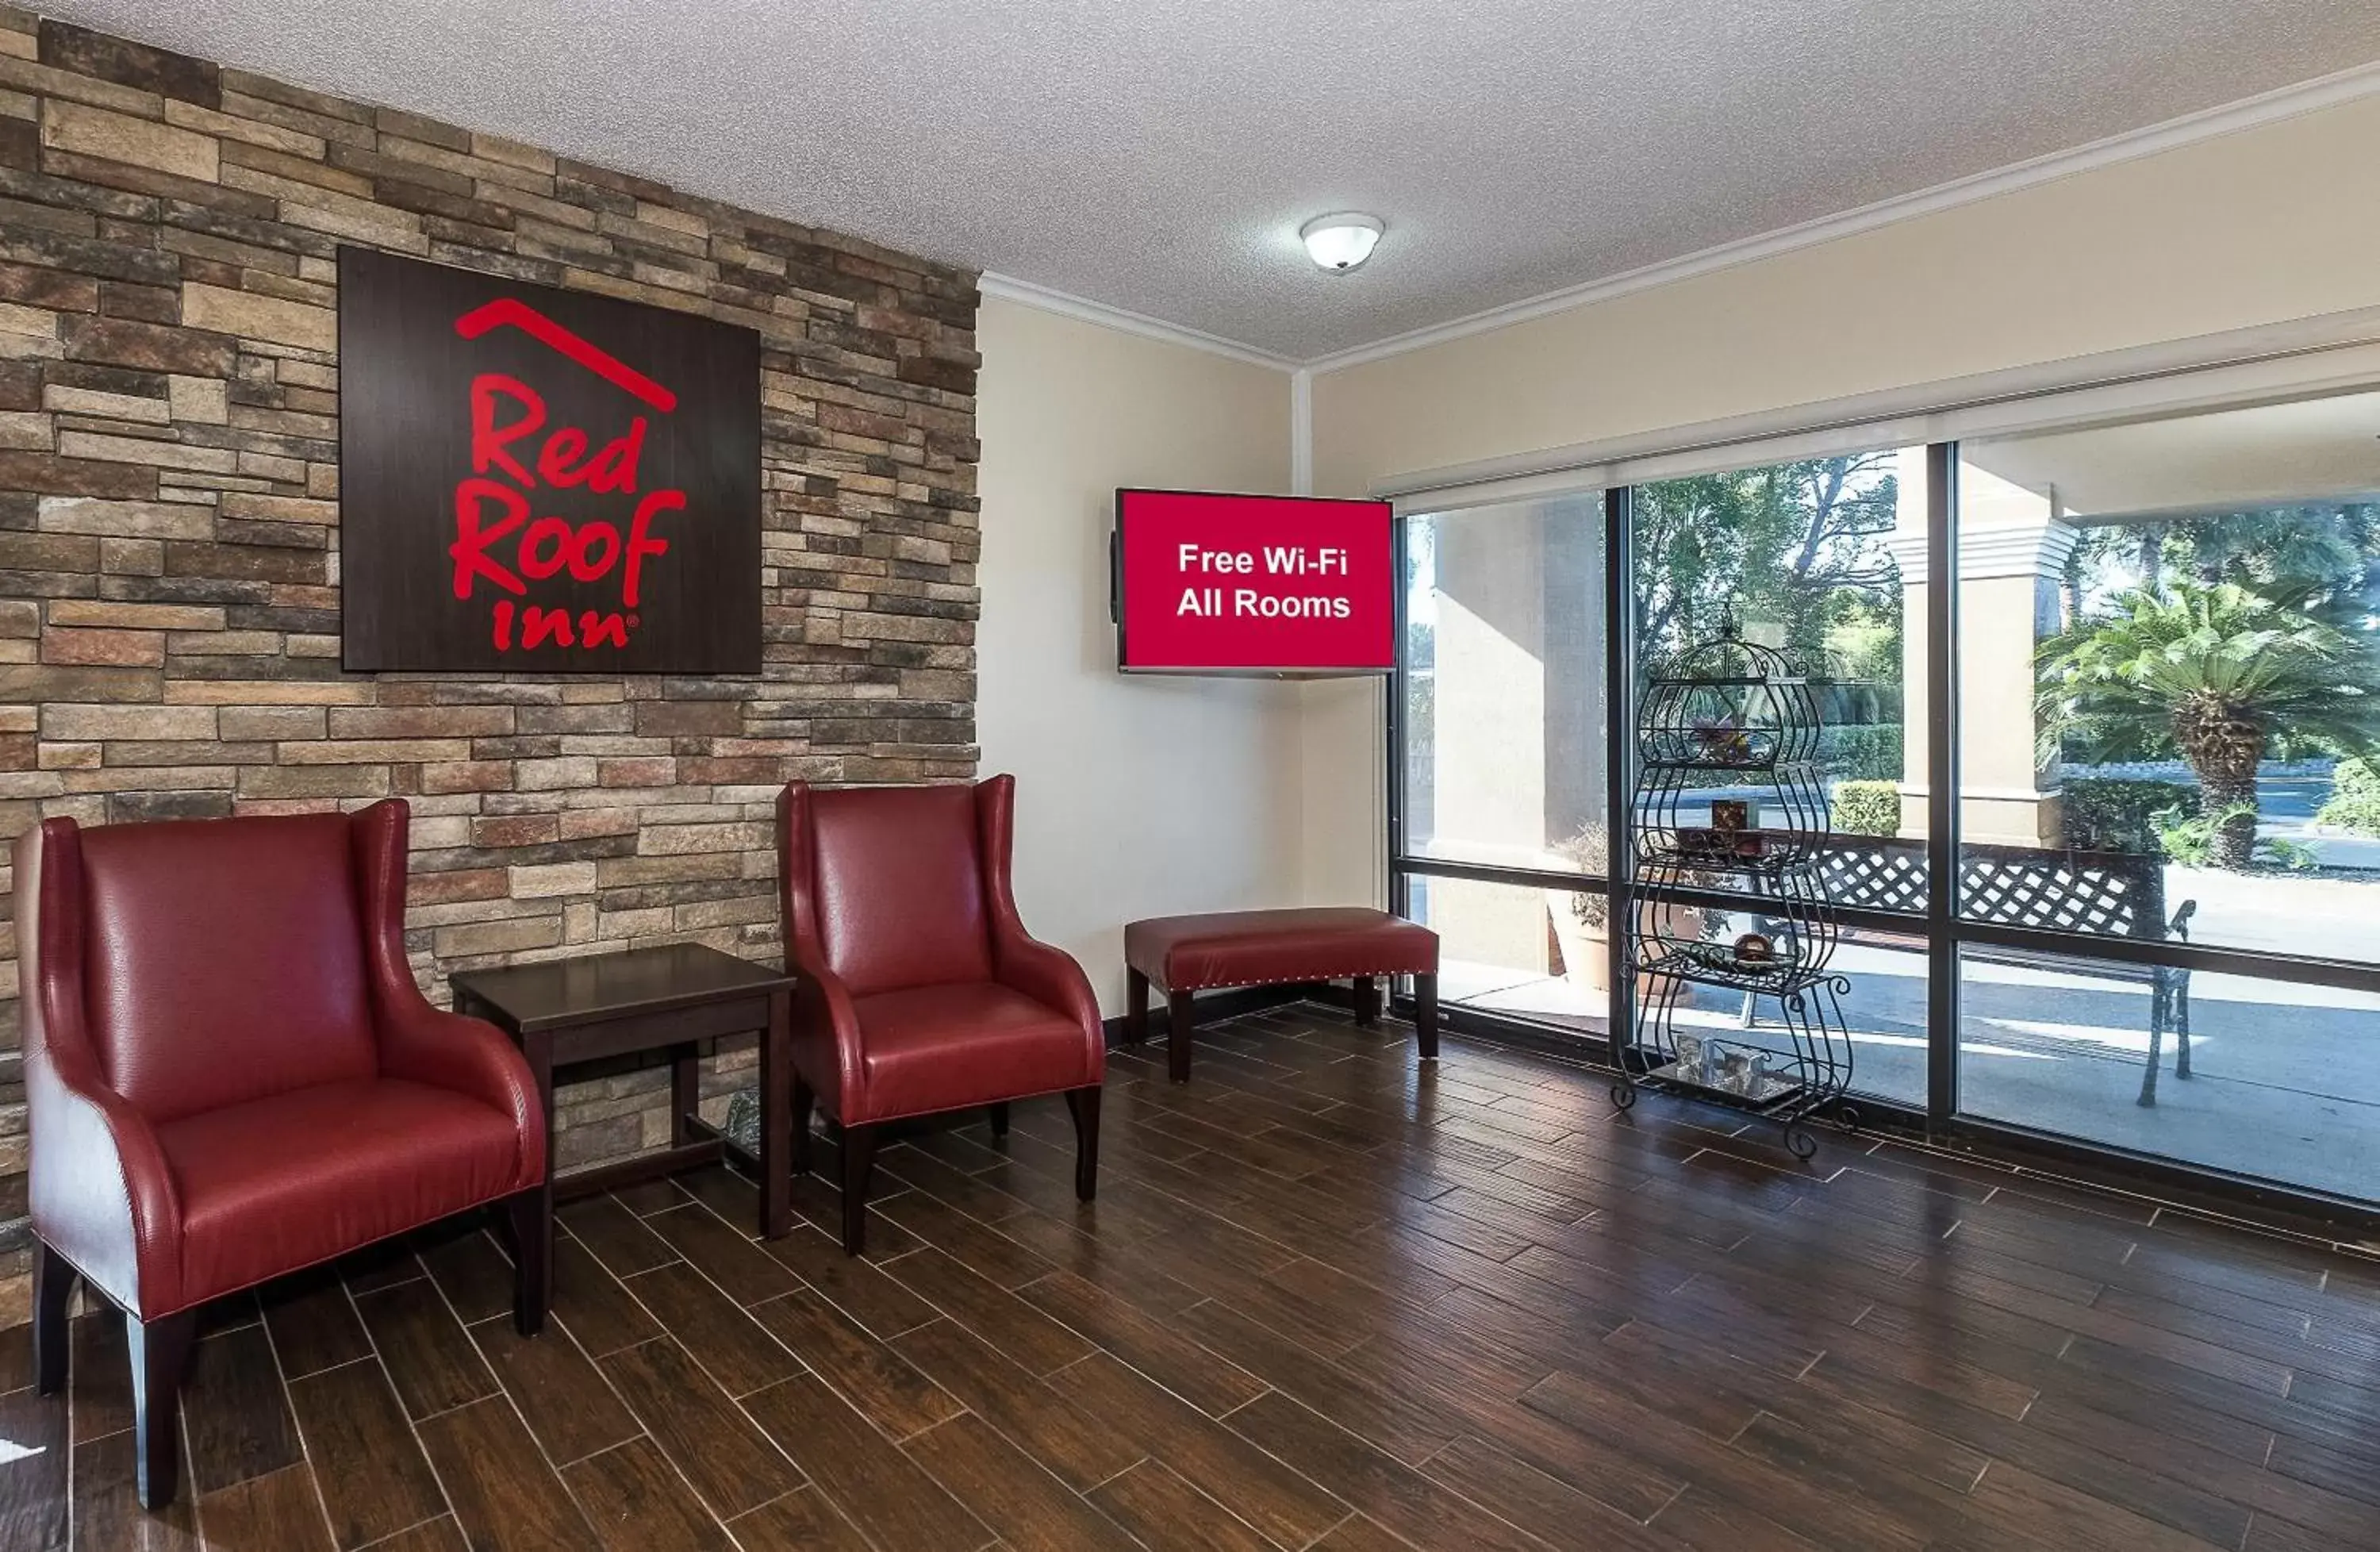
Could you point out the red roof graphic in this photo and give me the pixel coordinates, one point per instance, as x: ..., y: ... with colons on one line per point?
x: 511, y: 312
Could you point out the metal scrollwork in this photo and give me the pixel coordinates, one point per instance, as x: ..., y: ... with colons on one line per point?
x: 1730, y: 801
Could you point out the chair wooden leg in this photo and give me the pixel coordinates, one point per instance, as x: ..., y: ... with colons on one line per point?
x: 858, y: 1158
x: 1082, y: 1104
x: 531, y: 1216
x: 1136, y: 1010
x: 161, y: 1354
x: 1425, y: 1015
x: 1367, y: 1001
x: 1177, y: 1036
x: 805, y: 1101
x: 54, y: 1281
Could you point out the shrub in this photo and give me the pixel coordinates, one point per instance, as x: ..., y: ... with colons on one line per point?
x: 2189, y: 839
x: 1861, y: 752
x: 1590, y: 848
x: 2286, y: 854
x: 2112, y: 814
x: 2188, y: 835
x: 1867, y: 807
x: 2354, y: 800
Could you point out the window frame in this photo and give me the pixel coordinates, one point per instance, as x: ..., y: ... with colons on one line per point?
x: 1944, y: 931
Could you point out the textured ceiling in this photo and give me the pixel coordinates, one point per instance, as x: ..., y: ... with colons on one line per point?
x: 1158, y: 156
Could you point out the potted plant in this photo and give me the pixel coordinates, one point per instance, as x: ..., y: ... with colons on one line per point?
x: 1582, y: 917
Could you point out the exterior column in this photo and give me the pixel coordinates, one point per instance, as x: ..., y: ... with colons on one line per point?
x: 2012, y: 550
x: 1518, y: 764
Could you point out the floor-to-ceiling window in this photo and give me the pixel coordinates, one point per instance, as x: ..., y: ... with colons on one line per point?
x: 1807, y: 557
x: 2166, y: 727
x: 1501, y: 704
x: 2171, y: 675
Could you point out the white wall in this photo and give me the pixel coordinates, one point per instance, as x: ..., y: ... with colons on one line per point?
x: 2258, y: 226
x: 1135, y: 796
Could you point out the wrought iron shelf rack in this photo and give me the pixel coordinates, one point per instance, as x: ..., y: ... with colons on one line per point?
x: 1734, y: 720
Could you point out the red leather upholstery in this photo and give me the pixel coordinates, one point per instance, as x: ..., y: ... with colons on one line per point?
x: 299, y: 1177
x: 899, y: 889
x: 920, y: 990
x: 230, y: 1070
x: 275, y: 1002
x: 907, y: 1039
x: 1250, y: 948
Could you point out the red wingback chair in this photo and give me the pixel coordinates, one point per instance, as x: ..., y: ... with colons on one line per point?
x: 231, y: 1074
x: 919, y: 990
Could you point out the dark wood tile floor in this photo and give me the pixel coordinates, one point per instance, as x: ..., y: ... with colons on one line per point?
x: 1326, y: 1300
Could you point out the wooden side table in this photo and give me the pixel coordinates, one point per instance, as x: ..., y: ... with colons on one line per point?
x: 674, y: 998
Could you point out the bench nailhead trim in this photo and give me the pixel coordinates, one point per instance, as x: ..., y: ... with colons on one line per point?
x: 1285, y: 980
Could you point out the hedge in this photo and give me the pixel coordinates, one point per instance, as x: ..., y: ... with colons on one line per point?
x: 2354, y: 800
x: 2114, y: 814
x: 1861, y: 752
x: 1867, y: 807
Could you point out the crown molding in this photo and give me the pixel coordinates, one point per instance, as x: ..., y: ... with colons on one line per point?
x: 1065, y: 304
x: 2270, y: 107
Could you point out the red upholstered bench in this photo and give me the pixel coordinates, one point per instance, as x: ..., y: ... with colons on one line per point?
x: 1259, y: 948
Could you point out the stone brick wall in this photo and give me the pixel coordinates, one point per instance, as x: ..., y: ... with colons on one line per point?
x: 169, y: 566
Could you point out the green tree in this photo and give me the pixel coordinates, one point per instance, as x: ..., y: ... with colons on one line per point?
x: 2331, y: 543
x: 2328, y: 545
x: 1790, y: 546
x: 2221, y: 673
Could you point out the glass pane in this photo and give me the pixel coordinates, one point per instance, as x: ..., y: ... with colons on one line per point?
x: 1503, y: 690
x: 1532, y: 953
x: 2246, y: 1074
x: 1539, y: 954
x: 1807, y: 558
x: 1880, y: 1001
x: 2171, y: 694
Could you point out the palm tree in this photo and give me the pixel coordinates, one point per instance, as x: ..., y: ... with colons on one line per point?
x: 2223, y: 673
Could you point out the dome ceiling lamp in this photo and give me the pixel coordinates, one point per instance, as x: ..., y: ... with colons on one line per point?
x: 1340, y: 242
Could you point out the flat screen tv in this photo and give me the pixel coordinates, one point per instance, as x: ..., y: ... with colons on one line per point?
x: 1207, y: 583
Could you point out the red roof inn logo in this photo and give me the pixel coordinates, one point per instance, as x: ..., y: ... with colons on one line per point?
x: 492, y: 505
x: 539, y: 479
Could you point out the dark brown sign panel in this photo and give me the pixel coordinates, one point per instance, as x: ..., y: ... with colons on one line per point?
x: 542, y: 481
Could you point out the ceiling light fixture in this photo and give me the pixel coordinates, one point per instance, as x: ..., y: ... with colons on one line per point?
x: 1342, y: 242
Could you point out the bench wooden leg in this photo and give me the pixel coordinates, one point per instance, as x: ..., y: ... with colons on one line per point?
x: 1177, y: 1036
x: 1425, y: 1015
x: 1367, y: 1001
x: 1136, y: 1010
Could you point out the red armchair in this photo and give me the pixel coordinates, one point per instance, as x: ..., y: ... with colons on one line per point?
x: 231, y: 1074
x: 920, y: 991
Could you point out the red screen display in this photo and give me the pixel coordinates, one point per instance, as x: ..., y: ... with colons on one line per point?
x: 1218, y: 583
